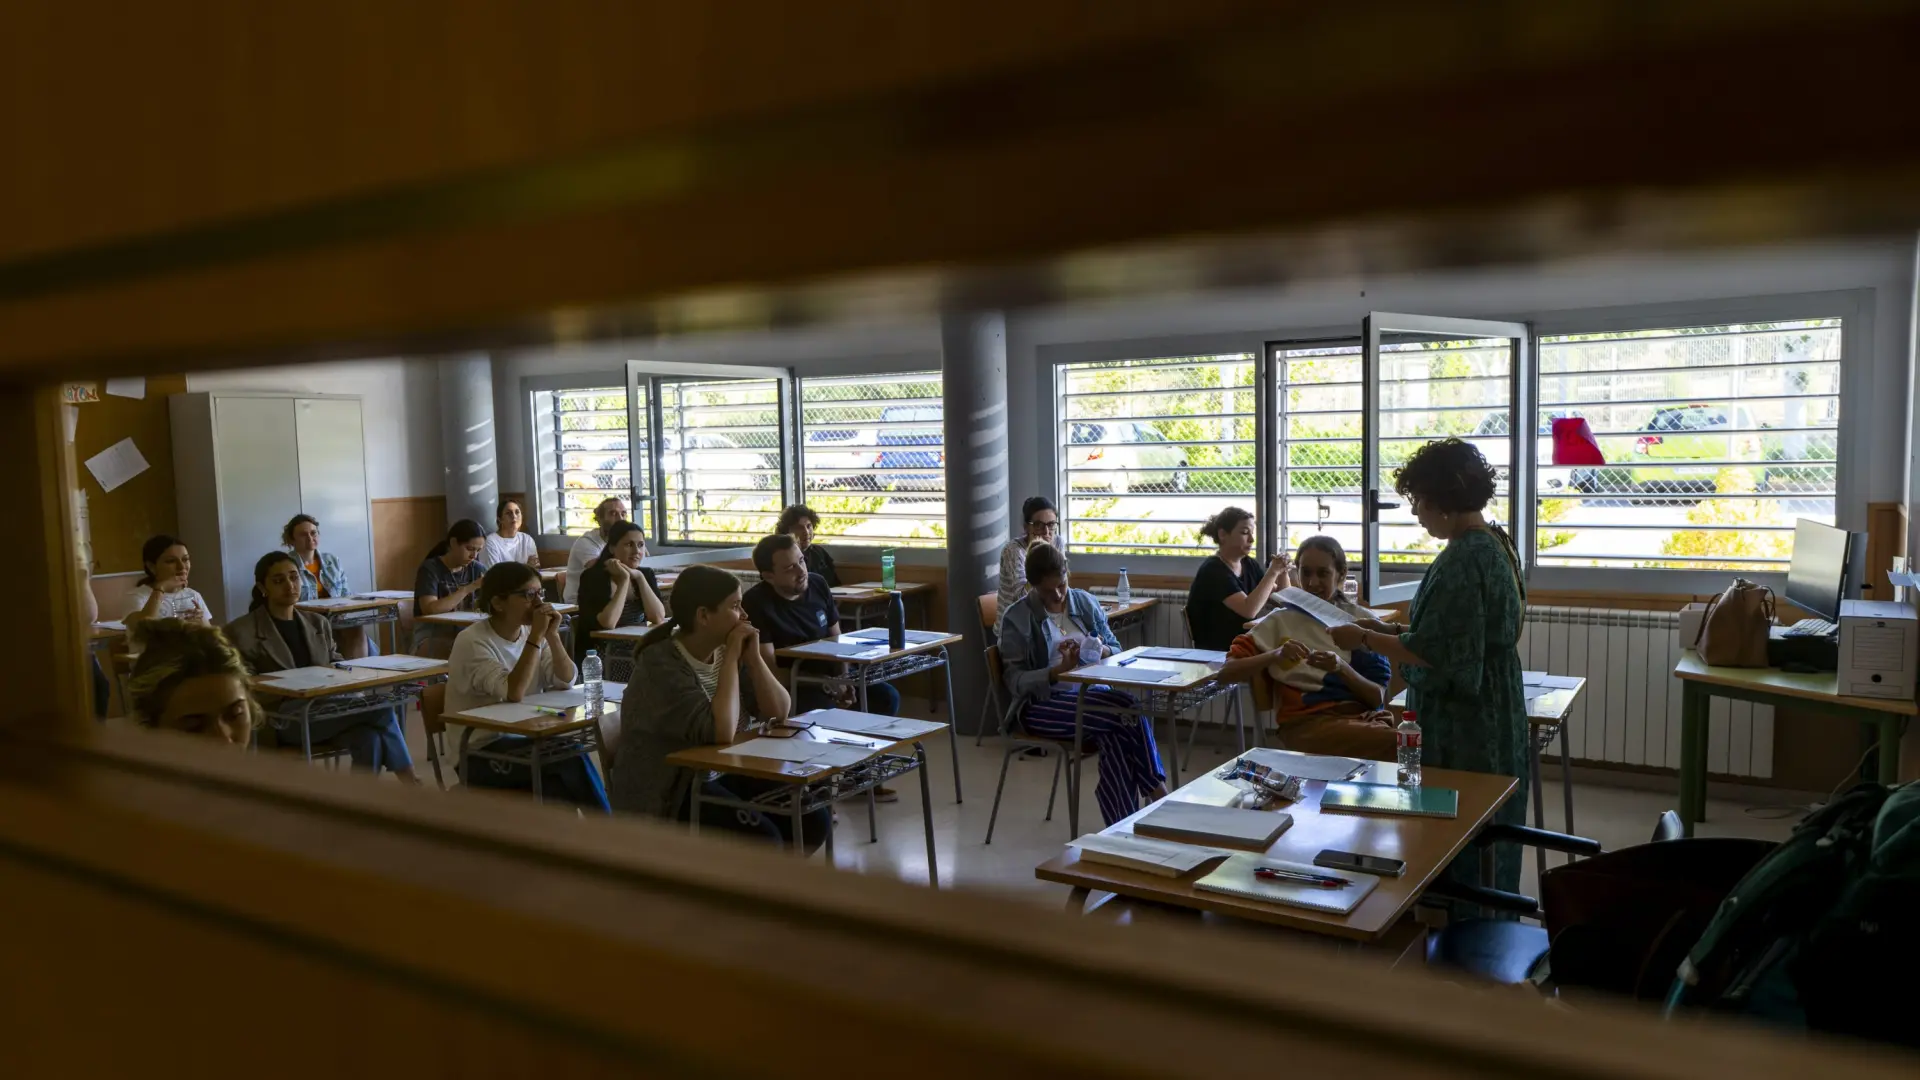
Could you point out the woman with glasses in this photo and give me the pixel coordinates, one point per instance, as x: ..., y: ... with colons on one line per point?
x: 514, y: 652
x: 1040, y: 522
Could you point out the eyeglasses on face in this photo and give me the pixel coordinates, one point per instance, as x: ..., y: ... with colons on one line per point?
x: 1049, y: 526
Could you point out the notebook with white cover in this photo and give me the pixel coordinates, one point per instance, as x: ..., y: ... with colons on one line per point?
x: 1162, y: 858
x: 1235, y: 877
x: 1305, y: 766
x: 1225, y: 826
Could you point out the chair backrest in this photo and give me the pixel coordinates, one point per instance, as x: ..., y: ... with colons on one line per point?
x: 433, y: 702
x: 989, y: 611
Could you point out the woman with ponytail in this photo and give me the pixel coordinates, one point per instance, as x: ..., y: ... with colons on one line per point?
x: 446, y: 581
x: 705, y: 677
x: 274, y: 635
x: 1456, y: 650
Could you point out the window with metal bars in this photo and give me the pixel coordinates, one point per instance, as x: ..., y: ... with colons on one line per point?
x: 591, y: 450
x: 1716, y: 439
x: 1149, y: 449
x: 720, y: 459
x: 873, y: 455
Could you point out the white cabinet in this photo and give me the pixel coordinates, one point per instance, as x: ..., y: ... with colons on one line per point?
x: 244, y: 463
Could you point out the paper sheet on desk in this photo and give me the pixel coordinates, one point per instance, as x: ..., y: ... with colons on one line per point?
x: 1550, y: 682
x: 395, y: 662
x: 796, y: 749
x: 506, y: 712
x: 309, y: 679
x: 613, y: 691
x: 558, y: 699
x: 878, y: 727
x: 844, y: 650
x: 388, y: 594
x: 1132, y: 673
x: 1126, y: 848
x: 1305, y: 766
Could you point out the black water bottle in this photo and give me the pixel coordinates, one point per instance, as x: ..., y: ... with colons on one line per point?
x: 896, y: 622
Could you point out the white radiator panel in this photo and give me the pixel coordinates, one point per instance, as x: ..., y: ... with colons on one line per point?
x: 1630, y: 713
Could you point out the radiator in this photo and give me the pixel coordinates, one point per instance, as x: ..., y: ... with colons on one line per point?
x: 1630, y: 712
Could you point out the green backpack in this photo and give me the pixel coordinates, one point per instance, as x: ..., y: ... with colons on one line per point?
x: 1812, y: 935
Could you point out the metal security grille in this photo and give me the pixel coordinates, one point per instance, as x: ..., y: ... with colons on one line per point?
x: 719, y: 459
x: 592, y: 453
x: 873, y: 455
x: 1716, y: 439
x: 1149, y: 449
x: 1429, y: 390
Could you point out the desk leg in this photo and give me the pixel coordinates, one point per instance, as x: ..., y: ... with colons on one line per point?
x: 693, y: 807
x: 533, y: 749
x: 800, y: 821
x: 1693, y: 754
x: 460, y: 752
x: 829, y: 838
x: 1539, y: 800
x: 306, y: 729
x: 1566, y: 786
x: 1077, y: 901
x: 1890, y: 730
x: 1073, y: 767
x: 926, y: 814
x: 953, y: 740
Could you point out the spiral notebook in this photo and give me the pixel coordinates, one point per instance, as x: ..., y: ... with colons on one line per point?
x: 1235, y: 878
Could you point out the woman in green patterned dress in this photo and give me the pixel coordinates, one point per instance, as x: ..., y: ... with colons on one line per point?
x: 1457, y: 652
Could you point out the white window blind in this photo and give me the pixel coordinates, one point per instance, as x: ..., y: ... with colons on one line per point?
x: 591, y: 451
x: 719, y: 459
x: 873, y: 456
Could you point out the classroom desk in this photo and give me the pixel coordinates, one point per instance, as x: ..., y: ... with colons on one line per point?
x: 464, y: 619
x: 349, y: 691
x: 1194, y: 686
x: 621, y: 643
x: 914, y: 594
x: 353, y: 612
x: 1810, y: 693
x: 1547, y: 716
x: 881, y: 664
x: 1426, y: 844
x: 550, y: 739
x: 553, y: 582
x: 1128, y: 617
x: 810, y: 786
x: 110, y: 630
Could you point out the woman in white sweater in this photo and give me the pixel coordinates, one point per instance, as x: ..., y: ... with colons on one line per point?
x: 515, y: 652
x: 163, y: 592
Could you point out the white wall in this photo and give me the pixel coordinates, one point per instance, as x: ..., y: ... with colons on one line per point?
x: 400, y: 408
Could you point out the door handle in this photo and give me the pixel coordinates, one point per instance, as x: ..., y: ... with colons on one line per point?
x: 1378, y: 504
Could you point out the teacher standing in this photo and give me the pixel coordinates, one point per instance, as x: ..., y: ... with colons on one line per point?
x: 1457, y: 653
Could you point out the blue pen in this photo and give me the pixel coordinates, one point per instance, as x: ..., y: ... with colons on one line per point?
x: 1124, y: 663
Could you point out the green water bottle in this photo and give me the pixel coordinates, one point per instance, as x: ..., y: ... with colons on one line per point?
x: 886, y: 568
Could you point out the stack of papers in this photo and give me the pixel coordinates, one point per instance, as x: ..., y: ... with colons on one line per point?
x: 613, y: 691
x: 1550, y: 682
x: 387, y: 594
x: 859, y: 723
x: 841, y: 650
x: 1164, y: 858
x: 1132, y: 673
x: 801, y: 750
x: 879, y: 634
x: 312, y: 678
x: 1191, y: 656
x: 395, y: 662
x: 1305, y: 766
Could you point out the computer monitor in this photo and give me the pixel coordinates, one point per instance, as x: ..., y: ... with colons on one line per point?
x: 1817, y: 580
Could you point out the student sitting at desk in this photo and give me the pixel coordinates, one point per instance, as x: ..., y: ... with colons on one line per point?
x: 705, y: 677
x: 1326, y: 700
x: 320, y: 575
x: 508, y: 542
x: 615, y: 590
x: 588, y: 547
x: 276, y: 636
x: 1053, y: 630
x: 513, y: 652
x: 189, y: 679
x: 792, y: 607
x: 800, y: 522
x: 163, y: 592
x: 1229, y: 590
x: 446, y: 581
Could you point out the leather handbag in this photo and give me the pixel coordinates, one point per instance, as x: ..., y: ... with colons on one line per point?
x: 1733, y: 630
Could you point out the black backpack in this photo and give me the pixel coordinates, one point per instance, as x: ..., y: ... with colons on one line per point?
x: 1815, y: 934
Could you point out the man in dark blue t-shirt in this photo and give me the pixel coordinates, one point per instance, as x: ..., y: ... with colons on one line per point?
x: 792, y: 607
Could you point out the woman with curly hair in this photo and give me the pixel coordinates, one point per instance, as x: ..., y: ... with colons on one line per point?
x: 1456, y: 652
x: 189, y: 679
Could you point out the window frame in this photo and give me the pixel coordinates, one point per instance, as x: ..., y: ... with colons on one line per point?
x: 1854, y: 307
x: 657, y: 372
x: 866, y: 367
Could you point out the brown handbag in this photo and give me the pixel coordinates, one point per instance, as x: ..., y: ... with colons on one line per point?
x: 1733, y: 629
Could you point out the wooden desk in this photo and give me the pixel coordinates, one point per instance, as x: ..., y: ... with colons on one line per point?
x: 1427, y: 845
x: 1547, y: 715
x: 464, y: 619
x: 106, y: 631
x: 811, y: 785
x: 1813, y: 693
x: 884, y: 665
x: 621, y: 643
x: 1130, y: 616
x: 1194, y: 685
x: 351, y: 612
x: 550, y: 739
x: 360, y: 690
x: 912, y: 593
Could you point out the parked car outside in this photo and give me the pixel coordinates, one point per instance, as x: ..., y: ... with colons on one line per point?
x: 1491, y: 439
x: 713, y: 462
x: 1699, y: 433
x: 912, y: 458
x: 1123, y: 456
x: 841, y: 457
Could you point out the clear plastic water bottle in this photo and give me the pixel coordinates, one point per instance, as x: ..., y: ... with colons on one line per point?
x: 1406, y: 742
x: 1122, y: 589
x: 590, y: 673
x: 1350, y: 588
x: 886, y: 568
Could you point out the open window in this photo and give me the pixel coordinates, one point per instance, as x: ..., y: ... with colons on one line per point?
x: 1427, y: 378
x: 715, y: 450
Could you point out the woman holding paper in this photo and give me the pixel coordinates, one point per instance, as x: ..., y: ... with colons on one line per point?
x: 276, y: 636
x: 1457, y: 651
x: 705, y: 677
x: 1326, y: 700
x: 1051, y: 631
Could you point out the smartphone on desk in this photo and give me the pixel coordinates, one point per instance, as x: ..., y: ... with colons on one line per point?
x: 1377, y: 865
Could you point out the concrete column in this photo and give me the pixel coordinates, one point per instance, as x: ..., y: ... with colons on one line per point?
x: 973, y: 364
x: 468, y: 438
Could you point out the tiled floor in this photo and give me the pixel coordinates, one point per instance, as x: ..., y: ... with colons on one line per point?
x: 1023, y: 839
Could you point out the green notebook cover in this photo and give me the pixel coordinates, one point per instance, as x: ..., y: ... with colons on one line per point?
x: 1391, y: 799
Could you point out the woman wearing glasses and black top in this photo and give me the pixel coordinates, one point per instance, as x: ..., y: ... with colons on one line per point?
x: 1040, y: 521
